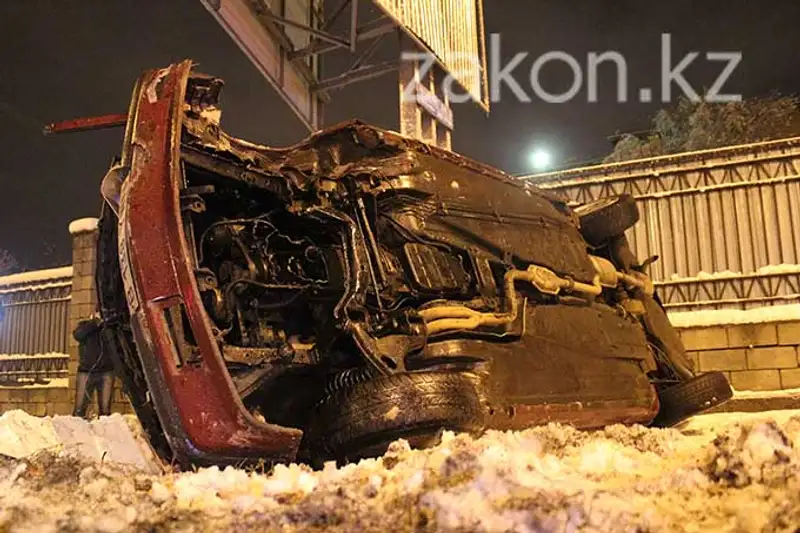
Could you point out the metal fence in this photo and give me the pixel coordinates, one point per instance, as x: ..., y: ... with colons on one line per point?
x: 725, y: 223
x: 34, y: 312
x: 34, y: 318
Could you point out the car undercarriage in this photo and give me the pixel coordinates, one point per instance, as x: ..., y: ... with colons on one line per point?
x: 317, y: 302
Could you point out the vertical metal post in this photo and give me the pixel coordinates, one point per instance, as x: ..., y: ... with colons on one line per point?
x: 425, y: 112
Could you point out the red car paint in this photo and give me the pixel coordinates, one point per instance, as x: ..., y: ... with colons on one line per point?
x: 203, y: 416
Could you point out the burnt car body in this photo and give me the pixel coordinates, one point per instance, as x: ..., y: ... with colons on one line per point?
x: 318, y: 301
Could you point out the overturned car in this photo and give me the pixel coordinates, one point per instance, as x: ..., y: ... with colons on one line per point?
x: 319, y: 301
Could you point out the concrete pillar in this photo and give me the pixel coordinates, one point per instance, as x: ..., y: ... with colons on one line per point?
x: 83, y: 300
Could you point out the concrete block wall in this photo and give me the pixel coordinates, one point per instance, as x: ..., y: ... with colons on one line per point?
x: 38, y: 401
x: 84, y: 301
x: 756, y: 357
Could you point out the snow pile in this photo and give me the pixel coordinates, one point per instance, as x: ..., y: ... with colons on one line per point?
x: 739, y: 476
x: 761, y: 453
x: 114, y: 438
x: 717, y: 317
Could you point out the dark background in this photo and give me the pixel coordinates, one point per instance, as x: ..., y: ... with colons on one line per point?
x: 67, y: 58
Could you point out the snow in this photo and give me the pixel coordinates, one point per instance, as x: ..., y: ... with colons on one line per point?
x: 23, y: 356
x: 37, y: 287
x: 784, y: 393
x: 724, y: 472
x: 717, y: 317
x: 32, y: 383
x: 110, y: 438
x: 779, y: 269
x: 82, y: 225
x: 37, y: 276
x: 716, y: 423
x: 769, y: 270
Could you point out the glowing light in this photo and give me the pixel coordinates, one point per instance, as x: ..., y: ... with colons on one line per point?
x: 541, y: 159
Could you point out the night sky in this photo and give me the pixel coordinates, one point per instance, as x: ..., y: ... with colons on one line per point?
x: 63, y: 58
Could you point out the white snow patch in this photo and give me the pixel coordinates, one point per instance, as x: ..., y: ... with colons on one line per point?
x: 727, y: 472
x: 779, y: 269
x: 716, y: 317
x: 108, y: 438
x: 37, y: 287
x: 784, y: 393
x: 23, y: 356
x: 711, y: 424
x: 37, y: 276
x: 31, y: 383
x: 82, y: 225
x: 768, y: 270
x: 22, y: 435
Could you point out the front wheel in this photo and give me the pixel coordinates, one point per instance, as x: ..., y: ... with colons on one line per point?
x: 361, y: 420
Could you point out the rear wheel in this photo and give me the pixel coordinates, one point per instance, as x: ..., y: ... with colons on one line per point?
x: 362, y: 419
x: 691, y: 397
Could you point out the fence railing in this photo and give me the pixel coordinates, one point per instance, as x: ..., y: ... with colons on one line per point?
x: 18, y: 370
x: 733, y: 210
x: 34, y: 318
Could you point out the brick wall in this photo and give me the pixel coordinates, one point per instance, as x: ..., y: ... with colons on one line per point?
x: 755, y: 357
x: 39, y: 402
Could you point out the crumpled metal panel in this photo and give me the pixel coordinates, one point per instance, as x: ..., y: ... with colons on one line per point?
x: 202, y: 415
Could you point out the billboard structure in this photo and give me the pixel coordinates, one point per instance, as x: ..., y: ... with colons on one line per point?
x: 453, y: 31
x: 252, y: 26
x: 285, y: 40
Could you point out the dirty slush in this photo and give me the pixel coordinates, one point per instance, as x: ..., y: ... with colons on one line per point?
x: 716, y: 473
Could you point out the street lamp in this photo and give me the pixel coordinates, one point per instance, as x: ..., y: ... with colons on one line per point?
x: 540, y: 159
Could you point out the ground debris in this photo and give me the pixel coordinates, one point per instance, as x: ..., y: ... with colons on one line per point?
x: 735, y: 474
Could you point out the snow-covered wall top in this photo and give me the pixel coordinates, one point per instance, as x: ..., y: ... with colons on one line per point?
x: 37, y: 277
x: 29, y: 356
x: 82, y: 225
x: 768, y: 270
x: 723, y: 317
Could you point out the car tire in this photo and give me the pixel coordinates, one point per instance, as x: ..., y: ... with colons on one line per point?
x: 607, y: 217
x: 691, y: 397
x: 362, y: 419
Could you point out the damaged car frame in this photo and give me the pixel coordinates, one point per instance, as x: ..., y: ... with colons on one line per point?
x: 319, y: 301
